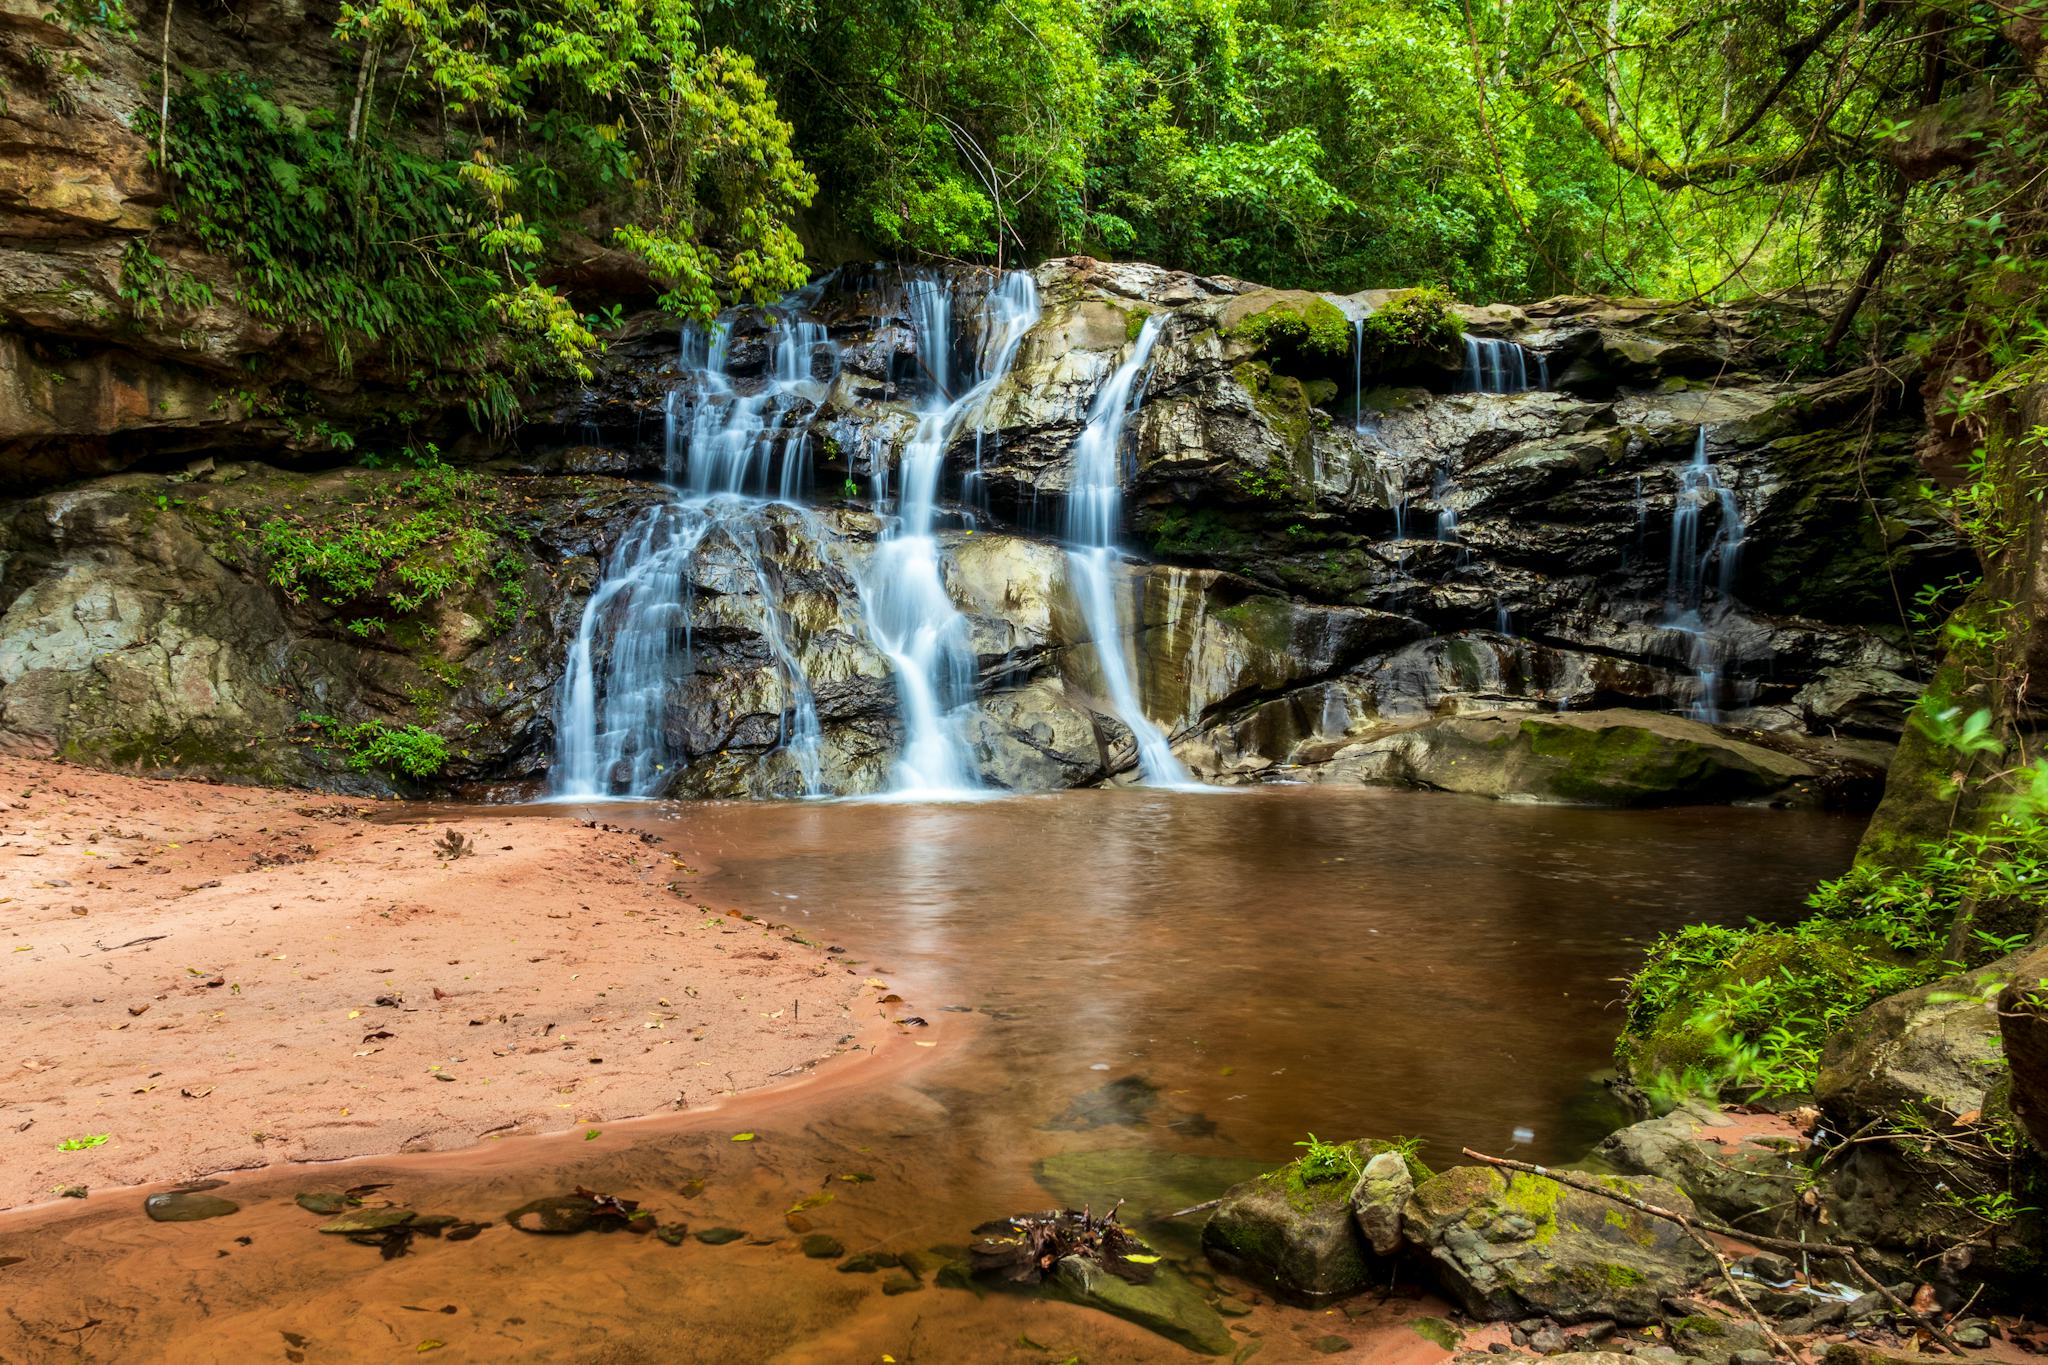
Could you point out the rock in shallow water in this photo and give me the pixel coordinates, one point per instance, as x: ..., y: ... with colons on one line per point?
x: 1516, y: 1245
x: 187, y: 1206
x: 1293, y: 1228
x: 1377, y: 1200
x: 1167, y: 1304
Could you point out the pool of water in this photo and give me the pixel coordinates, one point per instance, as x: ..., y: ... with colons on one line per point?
x: 1129, y: 995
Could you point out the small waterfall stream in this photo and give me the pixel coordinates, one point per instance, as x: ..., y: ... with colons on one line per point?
x: 913, y: 618
x: 1688, y: 608
x: 1493, y: 366
x: 1094, y: 514
x: 735, y: 463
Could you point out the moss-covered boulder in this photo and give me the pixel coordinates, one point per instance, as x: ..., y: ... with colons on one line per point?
x: 1293, y: 1228
x: 1514, y: 1246
x: 1607, y: 758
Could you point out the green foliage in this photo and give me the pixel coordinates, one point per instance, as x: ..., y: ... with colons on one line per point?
x: 373, y: 746
x: 1321, y: 1161
x: 425, y: 239
x: 1717, y: 1008
x: 437, y: 533
x: 149, y: 285
x: 1312, y: 327
x: 1418, y: 324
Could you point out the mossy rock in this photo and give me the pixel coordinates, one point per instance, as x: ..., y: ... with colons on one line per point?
x: 1289, y: 324
x: 1292, y: 1228
x: 1513, y: 1245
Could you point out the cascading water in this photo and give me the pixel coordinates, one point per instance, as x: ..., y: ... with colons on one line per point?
x: 1493, y: 366
x: 1687, y: 606
x: 735, y: 461
x: 1094, y: 513
x: 913, y: 619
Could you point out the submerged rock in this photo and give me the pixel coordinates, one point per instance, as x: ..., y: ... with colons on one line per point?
x: 1515, y: 1245
x: 187, y: 1206
x: 1167, y: 1303
x: 1123, y: 1102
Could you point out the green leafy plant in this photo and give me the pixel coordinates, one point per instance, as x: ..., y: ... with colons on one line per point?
x: 1322, y: 1162
x: 374, y: 746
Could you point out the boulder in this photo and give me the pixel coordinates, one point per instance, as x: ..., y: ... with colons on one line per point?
x: 1301, y: 1241
x: 1612, y: 758
x: 1513, y: 1245
x: 1293, y: 1228
x: 1747, y: 1180
x: 1932, y: 1052
x: 1168, y: 1303
x: 1377, y: 1200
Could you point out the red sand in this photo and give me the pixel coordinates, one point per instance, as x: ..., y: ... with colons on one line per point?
x: 219, y: 978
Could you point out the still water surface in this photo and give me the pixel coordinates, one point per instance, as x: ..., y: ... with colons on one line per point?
x: 1131, y: 994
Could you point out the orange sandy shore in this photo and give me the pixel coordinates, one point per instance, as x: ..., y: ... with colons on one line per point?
x: 219, y: 978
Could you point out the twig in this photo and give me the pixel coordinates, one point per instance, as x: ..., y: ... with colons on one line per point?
x: 1694, y: 1225
x: 1182, y: 1213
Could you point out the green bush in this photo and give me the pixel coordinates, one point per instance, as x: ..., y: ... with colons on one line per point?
x: 396, y: 750
x: 1747, y: 1009
x: 1315, y: 327
x: 1419, y: 324
x: 436, y: 533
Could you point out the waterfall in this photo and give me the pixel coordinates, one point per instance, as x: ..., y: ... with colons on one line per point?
x: 913, y: 619
x: 1497, y: 366
x: 1094, y: 514
x: 1687, y: 606
x: 735, y: 464
x: 1358, y: 373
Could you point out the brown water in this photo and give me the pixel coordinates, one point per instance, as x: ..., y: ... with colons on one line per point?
x: 1144, y: 992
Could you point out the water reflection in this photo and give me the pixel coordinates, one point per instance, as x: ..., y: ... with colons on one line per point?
x: 1348, y: 962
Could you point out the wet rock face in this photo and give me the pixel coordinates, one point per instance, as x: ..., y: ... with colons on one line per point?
x: 1346, y: 568
x: 141, y: 630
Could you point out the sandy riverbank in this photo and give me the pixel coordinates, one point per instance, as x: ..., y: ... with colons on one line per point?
x: 218, y: 978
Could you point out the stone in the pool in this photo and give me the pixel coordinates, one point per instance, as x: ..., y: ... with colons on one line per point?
x: 1167, y: 1303
x: 556, y: 1215
x: 1330, y: 1345
x: 718, y: 1237
x: 325, y: 1202
x: 1123, y: 1103
x: 821, y: 1246
x: 901, y: 1282
x: 369, y: 1220
x: 1298, y: 1237
x: 187, y: 1206
x: 867, y: 1262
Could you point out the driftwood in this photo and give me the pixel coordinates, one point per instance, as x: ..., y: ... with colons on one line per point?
x: 1029, y: 1247
x: 1694, y: 1226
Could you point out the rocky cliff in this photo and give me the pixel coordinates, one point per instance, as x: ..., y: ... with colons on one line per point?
x: 1345, y: 554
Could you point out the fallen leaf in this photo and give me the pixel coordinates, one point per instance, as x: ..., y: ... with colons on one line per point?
x: 742, y: 1137
x: 196, y: 1092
